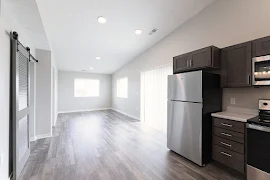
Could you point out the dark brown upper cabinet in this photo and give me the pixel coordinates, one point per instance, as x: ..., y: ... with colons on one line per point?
x: 181, y: 63
x: 261, y: 47
x: 205, y: 58
x: 236, y: 65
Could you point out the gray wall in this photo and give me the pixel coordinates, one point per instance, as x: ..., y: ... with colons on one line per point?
x: 223, y: 23
x: 7, y: 23
x: 68, y: 103
x: 43, y: 94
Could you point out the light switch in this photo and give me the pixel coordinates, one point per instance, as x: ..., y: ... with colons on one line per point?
x: 232, y: 100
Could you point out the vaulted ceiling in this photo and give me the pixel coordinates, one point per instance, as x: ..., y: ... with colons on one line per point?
x: 28, y: 17
x: 76, y: 38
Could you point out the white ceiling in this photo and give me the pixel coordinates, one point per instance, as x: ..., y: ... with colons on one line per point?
x: 27, y: 15
x: 76, y: 38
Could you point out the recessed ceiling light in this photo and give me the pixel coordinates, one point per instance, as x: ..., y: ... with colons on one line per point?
x: 98, y: 58
x: 101, y: 20
x: 91, y: 68
x: 138, y: 31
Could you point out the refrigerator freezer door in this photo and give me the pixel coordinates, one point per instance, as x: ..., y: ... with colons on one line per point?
x: 184, y: 130
x: 185, y: 87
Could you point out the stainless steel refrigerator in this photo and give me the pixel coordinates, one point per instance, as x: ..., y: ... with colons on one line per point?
x: 192, y: 97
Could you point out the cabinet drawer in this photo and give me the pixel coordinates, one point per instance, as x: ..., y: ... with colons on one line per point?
x: 229, y: 124
x: 229, y: 158
x: 228, y: 144
x: 230, y: 135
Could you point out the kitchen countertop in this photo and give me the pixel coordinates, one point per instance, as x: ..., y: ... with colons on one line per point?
x: 236, y: 116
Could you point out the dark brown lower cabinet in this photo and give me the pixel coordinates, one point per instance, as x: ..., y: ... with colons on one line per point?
x: 229, y: 144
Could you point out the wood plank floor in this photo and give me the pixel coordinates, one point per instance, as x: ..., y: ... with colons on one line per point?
x: 103, y: 145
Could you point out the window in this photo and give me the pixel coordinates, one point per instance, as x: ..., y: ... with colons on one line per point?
x: 122, y: 87
x: 86, y: 88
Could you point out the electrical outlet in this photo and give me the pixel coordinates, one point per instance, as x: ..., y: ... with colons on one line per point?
x: 232, y: 100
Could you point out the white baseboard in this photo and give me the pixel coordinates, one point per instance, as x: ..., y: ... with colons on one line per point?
x: 134, y: 117
x: 32, y: 139
x: 85, y: 110
x: 42, y: 136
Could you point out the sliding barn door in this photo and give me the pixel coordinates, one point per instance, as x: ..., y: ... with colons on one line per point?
x: 19, y: 106
x: 154, y: 86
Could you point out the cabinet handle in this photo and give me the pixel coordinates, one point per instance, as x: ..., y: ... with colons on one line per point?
x: 226, y: 144
x: 226, y: 134
x: 190, y: 63
x: 187, y: 63
x: 226, y: 154
x: 224, y: 124
x: 248, y: 79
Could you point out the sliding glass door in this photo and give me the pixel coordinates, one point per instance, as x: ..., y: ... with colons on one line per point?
x: 154, y: 86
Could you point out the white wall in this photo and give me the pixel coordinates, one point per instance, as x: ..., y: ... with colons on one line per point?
x: 7, y: 23
x: 68, y: 103
x: 223, y: 23
x: 43, y: 94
